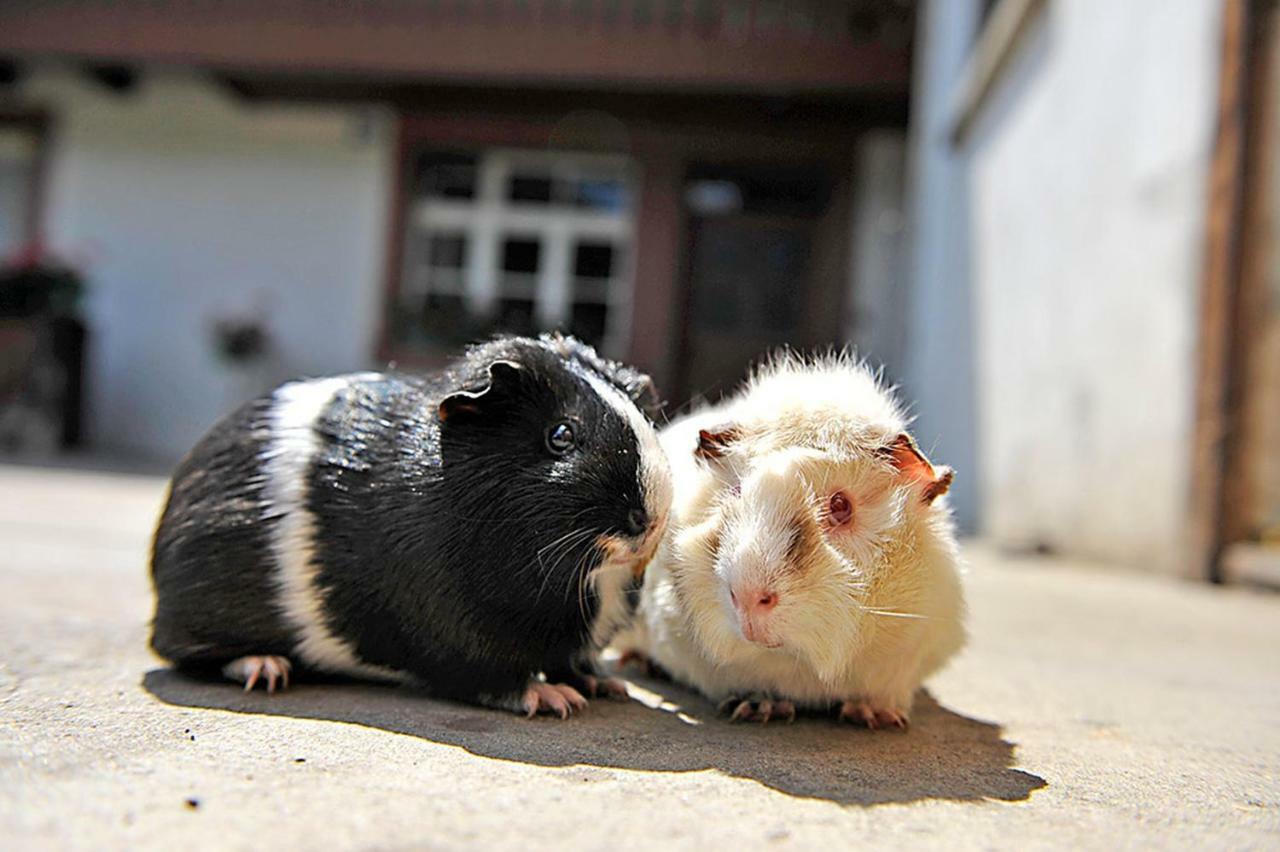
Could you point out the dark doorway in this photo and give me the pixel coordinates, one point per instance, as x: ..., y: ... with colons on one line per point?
x: 752, y: 239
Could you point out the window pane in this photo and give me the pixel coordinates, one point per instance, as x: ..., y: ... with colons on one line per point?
x: 588, y: 322
x: 521, y: 255
x: 604, y: 195
x: 530, y: 189
x: 795, y: 191
x: 593, y: 260
x: 448, y: 251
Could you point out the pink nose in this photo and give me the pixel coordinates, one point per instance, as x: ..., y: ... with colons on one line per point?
x: 754, y: 602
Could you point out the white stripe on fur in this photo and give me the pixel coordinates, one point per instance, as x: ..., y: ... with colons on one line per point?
x: 655, y: 472
x: 608, y: 582
x: 287, y: 464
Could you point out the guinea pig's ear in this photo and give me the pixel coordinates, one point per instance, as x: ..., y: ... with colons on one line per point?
x: 501, y: 378
x: 714, y: 442
x: 906, y: 457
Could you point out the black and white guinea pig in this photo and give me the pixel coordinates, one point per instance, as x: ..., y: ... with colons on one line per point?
x: 811, y: 559
x: 475, y: 531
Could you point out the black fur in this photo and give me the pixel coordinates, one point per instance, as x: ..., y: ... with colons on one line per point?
x: 212, y: 549
x: 451, y: 542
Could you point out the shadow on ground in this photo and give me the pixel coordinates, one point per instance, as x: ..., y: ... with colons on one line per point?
x: 943, y: 756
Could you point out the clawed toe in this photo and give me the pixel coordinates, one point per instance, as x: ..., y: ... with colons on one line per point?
x: 249, y: 670
x: 558, y: 698
x: 864, y: 713
x: 743, y: 712
x: 758, y: 709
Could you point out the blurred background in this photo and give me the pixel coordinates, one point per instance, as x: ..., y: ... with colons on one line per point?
x: 1054, y: 222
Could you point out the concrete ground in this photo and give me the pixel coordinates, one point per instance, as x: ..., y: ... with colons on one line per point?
x: 1094, y: 709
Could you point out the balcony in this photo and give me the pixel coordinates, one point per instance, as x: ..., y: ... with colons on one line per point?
x: 770, y: 46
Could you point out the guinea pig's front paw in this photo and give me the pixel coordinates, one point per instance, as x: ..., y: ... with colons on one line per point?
x: 558, y: 698
x: 873, y: 715
x: 757, y: 708
x: 248, y: 670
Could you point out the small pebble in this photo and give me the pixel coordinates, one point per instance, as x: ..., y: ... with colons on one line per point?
x: 193, y: 804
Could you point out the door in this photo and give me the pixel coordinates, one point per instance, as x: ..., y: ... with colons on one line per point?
x: 748, y: 285
x: 751, y: 243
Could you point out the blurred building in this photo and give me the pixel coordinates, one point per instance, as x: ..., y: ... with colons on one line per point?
x: 351, y: 184
x: 1046, y: 259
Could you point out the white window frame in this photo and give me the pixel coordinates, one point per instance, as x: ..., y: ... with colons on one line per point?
x: 489, y: 217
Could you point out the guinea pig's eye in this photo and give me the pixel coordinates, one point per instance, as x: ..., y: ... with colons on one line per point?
x: 839, y: 510
x: 561, y: 438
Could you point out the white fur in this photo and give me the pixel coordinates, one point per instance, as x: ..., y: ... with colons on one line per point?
x: 609, y: 585
x: 878, y: 607
x: 286, y: 463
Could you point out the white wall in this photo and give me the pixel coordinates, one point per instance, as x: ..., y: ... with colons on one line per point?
x: 1087, y: 183
x: 939, y: 313
x: 191, y: 205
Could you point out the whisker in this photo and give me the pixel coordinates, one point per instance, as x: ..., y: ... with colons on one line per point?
x: 892, y: 614
x: 582, y: 574
x: 547, y: 547
x: 568, y: 542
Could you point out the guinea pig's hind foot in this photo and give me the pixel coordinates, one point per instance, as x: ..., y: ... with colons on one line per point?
x: 605, y: 687
x: 642, y: 661
x: 248, y: 670
x: 558, y: 698
x: 757, y: 708
x: 867, y: 713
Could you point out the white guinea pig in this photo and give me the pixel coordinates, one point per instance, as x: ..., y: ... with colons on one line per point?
x: 810, y: 559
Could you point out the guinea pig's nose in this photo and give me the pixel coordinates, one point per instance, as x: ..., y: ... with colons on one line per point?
x: 637, y: 521
x: 755, y: 601
x: 754, y: 607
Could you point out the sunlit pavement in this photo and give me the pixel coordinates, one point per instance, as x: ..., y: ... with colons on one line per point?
x: 1094, y: 708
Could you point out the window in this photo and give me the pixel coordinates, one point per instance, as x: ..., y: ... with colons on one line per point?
x: 516, y: 241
